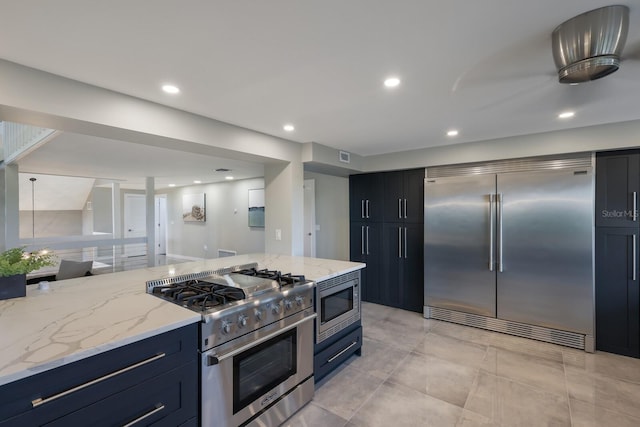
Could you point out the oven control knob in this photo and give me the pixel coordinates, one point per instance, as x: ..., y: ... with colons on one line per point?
x: 226, y: 327
x: 299, y: 301
x: 242, y: 321
x: 258, y: 314
x: 276, y: 308
x: 287, y: 305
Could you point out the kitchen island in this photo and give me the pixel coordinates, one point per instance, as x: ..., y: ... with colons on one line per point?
x: 102, y: 348
x: 82, y: 317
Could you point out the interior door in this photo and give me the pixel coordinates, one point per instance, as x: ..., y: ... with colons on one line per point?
x: 546, y: 251
x: 458, y: 248
x: 135, y: 223
x: 161, y: 225
x: 310, y: 218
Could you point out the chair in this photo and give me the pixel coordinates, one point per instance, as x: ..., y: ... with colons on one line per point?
x: 71, y: 269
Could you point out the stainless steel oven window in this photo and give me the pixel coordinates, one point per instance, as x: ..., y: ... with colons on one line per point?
x: 336, y: 304
x: 263, y: 367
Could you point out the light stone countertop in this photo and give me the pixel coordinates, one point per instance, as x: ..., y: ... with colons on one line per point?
x: 78, y: 318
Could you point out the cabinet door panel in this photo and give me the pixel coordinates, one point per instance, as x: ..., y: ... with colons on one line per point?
x: 617, y: 189
x: 414, y: 196
x: 391, y: 281
x: 413, y: 268
x: 365, y: 197
x: 393, y: 196
x: 617, y: 297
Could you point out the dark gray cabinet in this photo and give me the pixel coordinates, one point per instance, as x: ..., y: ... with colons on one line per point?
x: 366, y: 197
x: 366, y: 246
x: 617, y: 295
x: 617, y: 189
x: 616, y: 252
x: 403, y: 257
x: 152, y: 381
x: 404, y: 196
x: 391, y: 246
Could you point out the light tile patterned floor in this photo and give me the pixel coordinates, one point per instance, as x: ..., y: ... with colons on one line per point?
x: 418, y: 372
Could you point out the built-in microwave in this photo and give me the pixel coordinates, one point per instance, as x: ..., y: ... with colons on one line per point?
x: 337, y: 304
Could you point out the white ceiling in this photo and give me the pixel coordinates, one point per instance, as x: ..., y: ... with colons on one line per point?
x: 483, y: 67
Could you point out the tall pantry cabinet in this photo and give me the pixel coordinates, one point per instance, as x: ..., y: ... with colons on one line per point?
x: 387, y: 233
x: 617, y: 252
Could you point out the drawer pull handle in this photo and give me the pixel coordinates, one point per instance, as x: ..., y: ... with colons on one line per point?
x: 40, y: 401
x: 159, y: 407
x: 342, y: 352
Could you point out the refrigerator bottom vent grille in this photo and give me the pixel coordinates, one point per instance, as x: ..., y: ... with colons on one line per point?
x: 554, y: 336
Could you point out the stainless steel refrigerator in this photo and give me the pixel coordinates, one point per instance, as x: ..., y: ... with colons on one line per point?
x: 515, y: 247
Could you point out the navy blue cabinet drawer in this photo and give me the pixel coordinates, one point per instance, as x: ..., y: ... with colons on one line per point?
x: 331, y: 357
x: 60, y: 391
x: 166, y: 400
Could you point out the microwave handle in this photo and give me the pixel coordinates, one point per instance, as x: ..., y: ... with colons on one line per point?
x: 215, y: 359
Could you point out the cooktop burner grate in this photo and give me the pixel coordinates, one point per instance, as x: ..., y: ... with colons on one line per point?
x: 282, y: 279
x: 197, y: 294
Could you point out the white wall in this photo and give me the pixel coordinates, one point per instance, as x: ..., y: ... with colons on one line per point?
x: 226, y: 225
x: 332, y: 215
x: 51, y: 223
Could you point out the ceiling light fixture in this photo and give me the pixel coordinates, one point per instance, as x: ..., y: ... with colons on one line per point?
x: 197, y: 182
x: 229, y: 178
x: 172, y: 185
x: 289, y: 128
x: 392, y: 82
x: 566, y: 115
x: 170, y: 89
x: 452, y: 132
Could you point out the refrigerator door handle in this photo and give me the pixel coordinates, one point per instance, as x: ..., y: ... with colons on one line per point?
x: 405, y: 242
x: 399, y: 242
x: 492, y: 198
x: 633, y: 254
x: 635, y: 205
x: 500, y: 248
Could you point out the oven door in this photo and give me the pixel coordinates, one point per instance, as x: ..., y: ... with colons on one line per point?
x: 338, y: 306
x: 242, y: 379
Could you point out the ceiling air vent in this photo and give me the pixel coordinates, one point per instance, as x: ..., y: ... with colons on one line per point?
x: 345, y: 157
x: 588, y: 46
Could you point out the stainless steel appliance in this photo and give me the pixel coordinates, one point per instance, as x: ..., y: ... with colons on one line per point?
x: 256, y: 342
x: 338, y: 325
x: 337, y: 305
x: 509, y: 247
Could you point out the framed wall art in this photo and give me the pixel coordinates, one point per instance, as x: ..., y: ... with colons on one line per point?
x: 193, y: 207
x: 256, y: 207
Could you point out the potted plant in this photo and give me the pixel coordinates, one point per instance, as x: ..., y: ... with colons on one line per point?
x: 15, y: 263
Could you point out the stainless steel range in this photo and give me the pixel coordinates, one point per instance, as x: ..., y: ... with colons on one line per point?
x: 256, y: 342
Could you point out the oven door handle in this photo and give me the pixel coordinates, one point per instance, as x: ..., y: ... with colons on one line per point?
x: 215, y: 359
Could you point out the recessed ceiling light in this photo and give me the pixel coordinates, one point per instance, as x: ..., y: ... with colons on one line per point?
x: 197, y: 182
x: 172, y: 185
x: 566, y: 115
x: 170, y: 89
x: 228, y: 178
x: 452, y: 132
x: 392, y: 82
x: 289, y: 128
